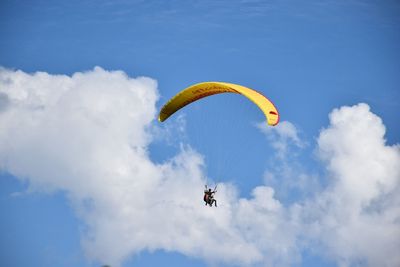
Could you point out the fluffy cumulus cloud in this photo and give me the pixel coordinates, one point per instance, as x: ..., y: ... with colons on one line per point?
x: 88, y: 135
x: 357, y: 219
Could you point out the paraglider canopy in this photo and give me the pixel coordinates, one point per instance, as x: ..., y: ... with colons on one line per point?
x: 201, y: 90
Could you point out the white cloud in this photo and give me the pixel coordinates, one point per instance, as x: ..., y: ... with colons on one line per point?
x: 285, y: 173
x: 88, y: 136
x: 357, y: 219
x: 282, y: 137
x: 172, y: 132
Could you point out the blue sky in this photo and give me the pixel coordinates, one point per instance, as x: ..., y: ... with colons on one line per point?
x: 309, y: 58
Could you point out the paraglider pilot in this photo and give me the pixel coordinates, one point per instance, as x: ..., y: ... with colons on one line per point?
x: 209, y: 196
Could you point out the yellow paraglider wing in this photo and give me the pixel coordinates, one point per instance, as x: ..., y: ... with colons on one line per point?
x: 201, y: 90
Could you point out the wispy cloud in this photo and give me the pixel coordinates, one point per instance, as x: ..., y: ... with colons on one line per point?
x: 285, y: 171
x: 282, y: 136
